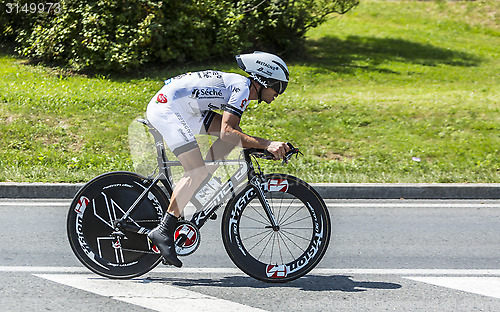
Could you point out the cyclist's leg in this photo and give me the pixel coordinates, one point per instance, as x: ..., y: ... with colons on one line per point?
x: 176, y: 126
x: 195, y: 173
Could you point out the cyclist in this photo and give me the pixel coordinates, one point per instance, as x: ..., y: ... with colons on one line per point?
x: 185, y: 107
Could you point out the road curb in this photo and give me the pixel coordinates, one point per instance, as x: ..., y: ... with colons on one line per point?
x: 326, y: 190
x: 39, y: 190
x: 408, y: 191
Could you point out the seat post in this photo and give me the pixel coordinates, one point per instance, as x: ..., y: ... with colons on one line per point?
x: 162, y: 158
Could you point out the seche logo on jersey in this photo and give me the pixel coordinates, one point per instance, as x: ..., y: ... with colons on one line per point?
x: 207, y: 93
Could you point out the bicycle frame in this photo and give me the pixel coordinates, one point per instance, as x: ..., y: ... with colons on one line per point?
x: 111, y: 216
x: 245, y: 171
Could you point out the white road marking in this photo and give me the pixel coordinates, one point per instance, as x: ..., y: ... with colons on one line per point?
x: 37, y: 269
x: 440, y: 272
x: 161, y: 297
x: 330, y: 203
x: 404, y: 204
x: 235, y: 271
x: 37, y: 203
x: 486, y: 286
x: 148, y: 294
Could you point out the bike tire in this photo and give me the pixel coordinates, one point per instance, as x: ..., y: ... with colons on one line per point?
x: 301, y: 241
x: 89, y: 225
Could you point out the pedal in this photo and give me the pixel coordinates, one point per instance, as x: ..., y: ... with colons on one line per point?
x: 186, y: 238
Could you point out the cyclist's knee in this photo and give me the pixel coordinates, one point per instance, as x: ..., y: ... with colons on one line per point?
x: 197, y: 175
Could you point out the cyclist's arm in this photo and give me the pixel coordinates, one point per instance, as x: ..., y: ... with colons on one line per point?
x: 231, y: 132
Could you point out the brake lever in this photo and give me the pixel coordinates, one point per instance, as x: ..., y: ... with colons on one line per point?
x: 293, y: 151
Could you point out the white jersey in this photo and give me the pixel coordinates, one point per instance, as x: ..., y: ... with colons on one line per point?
x: 209, y: 90
x: 184, y: 106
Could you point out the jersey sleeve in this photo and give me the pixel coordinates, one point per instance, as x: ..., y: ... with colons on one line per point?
x: 238, y: 101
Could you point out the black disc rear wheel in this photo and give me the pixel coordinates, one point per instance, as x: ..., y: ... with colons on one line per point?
x: 90, y: 225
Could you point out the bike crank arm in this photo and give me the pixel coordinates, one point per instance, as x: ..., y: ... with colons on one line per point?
x: 135, y: 229
x: 263, y: 200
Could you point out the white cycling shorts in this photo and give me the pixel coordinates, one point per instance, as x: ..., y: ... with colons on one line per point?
x: 177, y: 123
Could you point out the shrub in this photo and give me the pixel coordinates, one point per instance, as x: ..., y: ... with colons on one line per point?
x: 115, y: 35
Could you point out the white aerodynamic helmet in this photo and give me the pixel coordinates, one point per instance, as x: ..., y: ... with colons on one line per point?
x: 267, y: 69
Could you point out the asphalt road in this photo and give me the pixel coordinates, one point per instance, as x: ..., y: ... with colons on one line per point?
x: 384, y: 255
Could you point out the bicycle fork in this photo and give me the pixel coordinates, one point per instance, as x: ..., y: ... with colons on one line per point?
x: 257, y: 184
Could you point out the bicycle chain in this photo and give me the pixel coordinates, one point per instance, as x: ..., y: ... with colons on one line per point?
x: 140, y: 251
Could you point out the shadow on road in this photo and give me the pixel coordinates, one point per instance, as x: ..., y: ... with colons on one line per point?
x: 308, y: 283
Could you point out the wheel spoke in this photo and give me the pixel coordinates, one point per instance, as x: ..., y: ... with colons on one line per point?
x: 286, y: 245
x: 253, y: 219
x: 267, y: 243
x: 287, y: 208
x: 260, y: 242
x: 298, y: 220
x: 295, y: 235
x: 293, y: 214
x: 254, y: 209
x: 272, y: 248
x: 249, y: 237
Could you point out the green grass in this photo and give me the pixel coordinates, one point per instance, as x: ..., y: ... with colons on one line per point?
x: 380, y: 87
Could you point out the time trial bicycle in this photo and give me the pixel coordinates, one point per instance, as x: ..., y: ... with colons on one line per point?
x: 275, y: 227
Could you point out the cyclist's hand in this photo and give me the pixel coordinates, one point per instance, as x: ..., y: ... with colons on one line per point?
x: 278, y: 149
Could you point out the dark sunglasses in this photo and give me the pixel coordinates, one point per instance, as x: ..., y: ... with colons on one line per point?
x: 279, y: 86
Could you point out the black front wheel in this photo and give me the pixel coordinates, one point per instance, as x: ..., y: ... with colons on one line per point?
x: 90, y: 225
x: 284, y: 253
